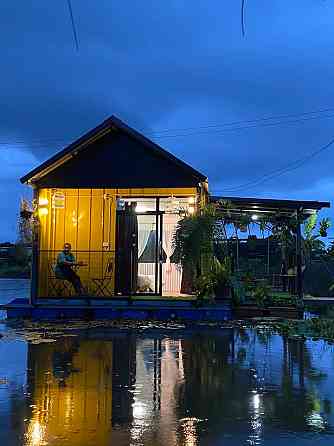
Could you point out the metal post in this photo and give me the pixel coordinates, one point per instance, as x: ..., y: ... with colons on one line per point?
x: 299, y: 259
x: 237, y: 251
x: 268, y: 256
x: 35, y: 253
x: 157, y: 254
x: 131, y: 275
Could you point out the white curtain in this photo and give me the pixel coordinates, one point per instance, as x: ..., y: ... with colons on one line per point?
x: 171, y: 273
x: 143, y: 235
x: 145, y: 270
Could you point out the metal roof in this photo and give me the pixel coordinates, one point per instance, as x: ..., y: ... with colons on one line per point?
x: 271, y: 206
x: 112, y: 123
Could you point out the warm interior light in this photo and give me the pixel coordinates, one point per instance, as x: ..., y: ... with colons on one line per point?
x: 43, y: 201
x: 142, y: 209
x: 191, y: 200
x: 254, y: 217
x: 43, y: 211
x: 191, y: 209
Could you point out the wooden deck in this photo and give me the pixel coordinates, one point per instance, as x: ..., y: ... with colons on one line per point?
x: 138, y: 309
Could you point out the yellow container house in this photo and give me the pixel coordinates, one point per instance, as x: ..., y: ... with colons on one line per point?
x: 116, y: 197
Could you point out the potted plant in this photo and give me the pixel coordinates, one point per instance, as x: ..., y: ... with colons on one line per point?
x: 193, y: 248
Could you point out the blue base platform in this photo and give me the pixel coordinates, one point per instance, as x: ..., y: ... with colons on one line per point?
x: 120, y: 309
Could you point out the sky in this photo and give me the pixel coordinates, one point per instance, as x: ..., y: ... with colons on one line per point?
x: 253, y: 112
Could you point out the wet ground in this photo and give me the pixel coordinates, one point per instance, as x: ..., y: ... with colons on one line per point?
x: 81, y: 384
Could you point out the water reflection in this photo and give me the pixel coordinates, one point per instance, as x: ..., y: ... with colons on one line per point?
x: 198, y: 388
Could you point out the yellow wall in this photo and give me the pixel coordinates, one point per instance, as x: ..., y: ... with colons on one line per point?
x: 88, y: 222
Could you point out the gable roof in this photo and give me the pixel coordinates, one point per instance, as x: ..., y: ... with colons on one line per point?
x: 82, y: 143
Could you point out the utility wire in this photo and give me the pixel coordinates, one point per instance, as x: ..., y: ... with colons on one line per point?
x: 243, y: 17
x: 260, y: 122
x: 277, y: 173
x: 75, y: 35
x: 233, y: 129
x: 249, y: 121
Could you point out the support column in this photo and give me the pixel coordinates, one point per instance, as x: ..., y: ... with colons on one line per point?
x: 35, y: 254
x: 300, y: 293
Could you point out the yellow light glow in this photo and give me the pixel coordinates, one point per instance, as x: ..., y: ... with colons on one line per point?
x: 35, y: 434
x: 191, y: 200
x: 43, y: 201
x: 191, y: 209
x: 42, y: 212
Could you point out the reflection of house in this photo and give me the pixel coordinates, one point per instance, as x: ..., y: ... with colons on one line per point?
x: 116, y: 197
x: 77, y: 391
x: 187, y: 388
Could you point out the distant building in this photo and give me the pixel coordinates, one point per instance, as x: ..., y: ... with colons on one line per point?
x: 6, y: 249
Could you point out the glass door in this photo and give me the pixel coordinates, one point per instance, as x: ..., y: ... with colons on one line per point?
x: 149, y: 254
x: 139, y: 253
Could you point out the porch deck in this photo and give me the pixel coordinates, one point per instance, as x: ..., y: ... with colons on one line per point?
x: 119, y: 308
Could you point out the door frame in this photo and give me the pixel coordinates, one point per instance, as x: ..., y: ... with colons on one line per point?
x: 158, y: 252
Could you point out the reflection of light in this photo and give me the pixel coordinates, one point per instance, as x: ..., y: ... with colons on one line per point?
x: 138, y: 410
x: 43, y: 201
x: 35, y: 434
x: 68, y: 405
x: 316, y: 421
x: 181, y: 368
x: 256, y: 421
x: 189, y: 431
x: 76, y: 220
x: 256, y: 401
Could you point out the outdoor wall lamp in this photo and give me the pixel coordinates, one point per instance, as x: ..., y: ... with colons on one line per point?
x: 43, y: 201
x: 43, y: 206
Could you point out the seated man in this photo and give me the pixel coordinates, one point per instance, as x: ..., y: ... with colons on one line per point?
x: 64, y: 269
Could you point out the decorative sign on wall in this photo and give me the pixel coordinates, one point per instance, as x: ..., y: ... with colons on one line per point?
x: 172, y: 205
x: 58, y: 200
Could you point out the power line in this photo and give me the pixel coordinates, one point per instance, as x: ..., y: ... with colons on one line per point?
x: 260, y: 122
x: 233, y: 129
x: 75, y: 35
x: 243, y: 17
x: 249, y: 121
x: 278, y: 172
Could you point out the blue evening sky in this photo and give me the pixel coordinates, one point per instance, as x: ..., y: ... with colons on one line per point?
x: 179, y: 66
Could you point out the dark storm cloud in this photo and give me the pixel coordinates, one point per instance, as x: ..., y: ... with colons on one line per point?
x: 174, y: 65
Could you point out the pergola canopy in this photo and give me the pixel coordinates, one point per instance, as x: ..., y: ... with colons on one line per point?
x: 268, y: 208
